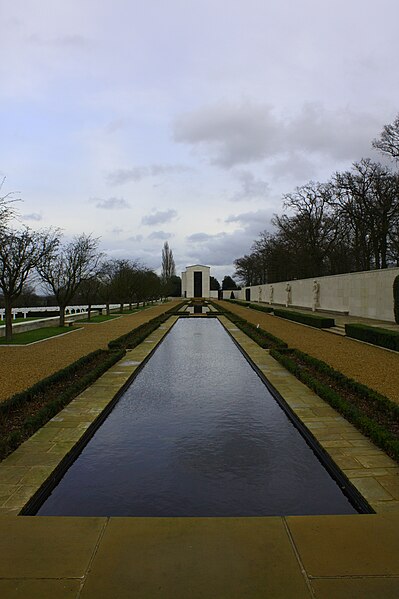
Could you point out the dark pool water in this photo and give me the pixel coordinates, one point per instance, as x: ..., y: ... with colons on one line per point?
x: 197, y: 434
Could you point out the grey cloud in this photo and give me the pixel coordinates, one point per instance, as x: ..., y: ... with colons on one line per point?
x: 251, y: 188
x: 136, y: 238
x: 33, y: 216
x: 295, y: 166
x: 222, y: 249
x: 235, y: 134
x: 159, y: 217
x: 112, y: 204
x: 245, y: 133
x: 198, y: 237
x: 254, y: 221
x: 137, y: 173
x: 160, y: 235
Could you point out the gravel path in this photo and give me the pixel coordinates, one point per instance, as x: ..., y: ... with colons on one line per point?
x: 373, y: 366
x: 21, y: 367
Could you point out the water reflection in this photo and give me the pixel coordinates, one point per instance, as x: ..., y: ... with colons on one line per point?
x: 197, y: 434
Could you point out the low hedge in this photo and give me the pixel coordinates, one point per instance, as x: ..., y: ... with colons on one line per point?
x: 137, y: 335
x: 253, y: 306
x: 260, y: 336
x: 335, y: 388
x: 19, y: 402
x: 374, y: 335
x: 313, y: 320
x: 396, y: 298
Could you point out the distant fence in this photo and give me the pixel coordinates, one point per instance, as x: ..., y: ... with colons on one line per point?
x: 69, y: 310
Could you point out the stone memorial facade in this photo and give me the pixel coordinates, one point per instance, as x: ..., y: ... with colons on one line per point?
x: 195, y: 281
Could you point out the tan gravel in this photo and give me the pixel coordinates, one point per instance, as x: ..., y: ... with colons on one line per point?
x: 21, y: 367
x: 373, y: 366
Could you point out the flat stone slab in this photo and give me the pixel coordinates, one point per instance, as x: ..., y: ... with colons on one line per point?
x: 366, y: 545
x: 177, y: 558
x: 47, y: 547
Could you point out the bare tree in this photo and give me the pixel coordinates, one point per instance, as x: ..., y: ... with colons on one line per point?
x: 388, y: 142
x: 64, y: 270
x: 20, y: 253
x: 7, y: 211
x: 168, y: 263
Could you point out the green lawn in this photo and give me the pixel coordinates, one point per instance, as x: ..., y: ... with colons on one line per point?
x: 36, y: 335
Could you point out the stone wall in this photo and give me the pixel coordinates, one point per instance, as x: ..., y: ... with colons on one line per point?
x: 367, y: 294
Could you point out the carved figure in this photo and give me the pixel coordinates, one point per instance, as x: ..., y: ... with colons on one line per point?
x: 271, y: 294
x: 289, y: 295
x: 316, y: 295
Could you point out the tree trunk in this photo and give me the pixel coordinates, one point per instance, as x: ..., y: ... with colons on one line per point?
x: 121, y: 307
x: 130, y: 305
x: 62, y: 316
x: 89, y: 312
x: 8, y: 316
x: 107, y: 308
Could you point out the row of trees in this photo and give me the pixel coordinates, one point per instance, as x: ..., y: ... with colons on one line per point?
x: 71, y: 272
x: 349, y: 223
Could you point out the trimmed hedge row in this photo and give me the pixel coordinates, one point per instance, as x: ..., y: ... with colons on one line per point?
x: 313, y: 320
x: 258, y: 307
x: 374, y: 335
x: 382, y: 407
x: 137, y: 336
x: 396, y: 298
x: 33, y: 422
x: 260, y: 336
x: 103, y: 359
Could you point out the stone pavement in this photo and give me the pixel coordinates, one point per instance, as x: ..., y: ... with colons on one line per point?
x: 312, y: 557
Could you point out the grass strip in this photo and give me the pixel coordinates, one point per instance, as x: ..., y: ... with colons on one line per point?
x: 375, y: 335
x: 35, y: 335
x: 373, y: 414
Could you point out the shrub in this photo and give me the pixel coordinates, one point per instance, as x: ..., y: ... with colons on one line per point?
x: 313, y: 320
x: 260, y: 336
x: 335, y: 388
x: 396, y: 299
x: 92, y: 367
x: 374, y: 335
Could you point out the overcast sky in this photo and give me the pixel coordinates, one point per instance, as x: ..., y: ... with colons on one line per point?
x: 186, y: 120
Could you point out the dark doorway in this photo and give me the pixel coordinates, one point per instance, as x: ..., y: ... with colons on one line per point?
x: 197, y: 283
x: 248, y: 295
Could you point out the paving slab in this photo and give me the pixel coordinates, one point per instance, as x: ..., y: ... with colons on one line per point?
x: 361, y: 545
x: 177, y: 558
x: 47, y: 547
x: 39, y: 589
x: 356, y: 588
